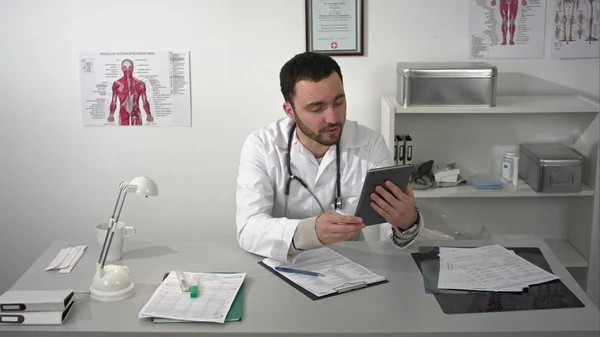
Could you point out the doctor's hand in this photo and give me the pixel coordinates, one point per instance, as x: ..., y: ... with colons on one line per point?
x: 333, y: 227
x: 397, y: 207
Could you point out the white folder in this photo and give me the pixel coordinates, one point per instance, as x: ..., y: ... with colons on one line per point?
x: 36, y: 317
x: 35, y: 300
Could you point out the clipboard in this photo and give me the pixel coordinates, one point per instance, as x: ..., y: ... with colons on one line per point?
x: 365, y: 279
x: 346, y: 288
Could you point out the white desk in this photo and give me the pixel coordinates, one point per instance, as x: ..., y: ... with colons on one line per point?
x: 271, y: 306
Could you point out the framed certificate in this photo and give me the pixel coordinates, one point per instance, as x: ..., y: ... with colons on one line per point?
x: 334, y: 27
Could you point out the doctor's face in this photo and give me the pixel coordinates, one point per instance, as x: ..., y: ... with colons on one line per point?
x: 320, y: 109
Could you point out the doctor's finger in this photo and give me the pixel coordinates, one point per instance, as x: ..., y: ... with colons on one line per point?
x: 344, y: 228
x: 381, y: 211
x: 388, y: 205
x: 347, y: 219
x: 398, y: 193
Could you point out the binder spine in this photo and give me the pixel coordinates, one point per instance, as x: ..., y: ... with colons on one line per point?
x: 409, y: 149
x: 400, y: 150
x: 13, y: 307
x: 16, y: 319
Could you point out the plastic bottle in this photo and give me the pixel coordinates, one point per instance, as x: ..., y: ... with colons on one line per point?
x: 510, y: 168
x: 515, y: 170
x: 507, y: 166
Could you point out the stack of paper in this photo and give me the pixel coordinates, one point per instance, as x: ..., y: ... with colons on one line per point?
x: 489, y: 268
x: 66, y: 259
x: 216, y: 295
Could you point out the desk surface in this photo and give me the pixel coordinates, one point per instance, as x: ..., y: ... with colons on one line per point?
x: 271, y: 306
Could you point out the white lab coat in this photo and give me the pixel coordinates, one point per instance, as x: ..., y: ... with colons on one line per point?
x: 261, y: 226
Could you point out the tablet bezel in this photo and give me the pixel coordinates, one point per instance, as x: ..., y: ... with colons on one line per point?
x: 398, y: 174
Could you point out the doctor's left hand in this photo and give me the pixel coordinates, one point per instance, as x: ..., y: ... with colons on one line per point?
x: 397, y: 207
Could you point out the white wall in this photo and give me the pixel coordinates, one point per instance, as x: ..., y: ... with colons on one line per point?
x: 59, y: 179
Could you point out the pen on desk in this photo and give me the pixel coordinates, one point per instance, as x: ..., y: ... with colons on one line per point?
x: 297, y: 271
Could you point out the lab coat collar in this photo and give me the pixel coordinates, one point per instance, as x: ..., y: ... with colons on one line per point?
x: 351, y: 137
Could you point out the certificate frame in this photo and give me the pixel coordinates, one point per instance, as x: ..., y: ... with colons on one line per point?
x: 347, y: 40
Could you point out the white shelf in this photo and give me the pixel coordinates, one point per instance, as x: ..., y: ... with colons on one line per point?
x: 566, y: 254
x: 522, y: 190
x: 510, y: 104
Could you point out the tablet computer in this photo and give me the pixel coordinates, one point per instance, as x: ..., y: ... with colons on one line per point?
x: 399, y: 175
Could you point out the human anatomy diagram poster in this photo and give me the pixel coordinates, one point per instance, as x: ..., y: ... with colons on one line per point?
x: 507, y: 28
x: 575, y: 28
x: 129, y: 88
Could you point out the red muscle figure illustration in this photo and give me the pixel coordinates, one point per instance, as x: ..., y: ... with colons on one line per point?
x: 128, y: 91
x: 508, y: 12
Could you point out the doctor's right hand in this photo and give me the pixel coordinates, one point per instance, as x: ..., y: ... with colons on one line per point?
x: 333, y: 227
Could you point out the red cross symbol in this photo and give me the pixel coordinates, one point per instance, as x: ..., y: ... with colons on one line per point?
x: 333, y: 45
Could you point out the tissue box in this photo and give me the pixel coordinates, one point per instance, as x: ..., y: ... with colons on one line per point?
x: 446, y: 83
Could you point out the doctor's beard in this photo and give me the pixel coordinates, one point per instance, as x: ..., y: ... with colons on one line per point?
x: 321, y: 136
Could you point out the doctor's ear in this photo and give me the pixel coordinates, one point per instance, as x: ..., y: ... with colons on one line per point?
x: 289, y: 111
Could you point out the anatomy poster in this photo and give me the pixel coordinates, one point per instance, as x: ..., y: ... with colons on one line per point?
x: 575, y: 28
x: 507, y: 28
x: 135, y: 88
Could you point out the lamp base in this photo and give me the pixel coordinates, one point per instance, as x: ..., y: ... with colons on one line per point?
x: 111, y: 284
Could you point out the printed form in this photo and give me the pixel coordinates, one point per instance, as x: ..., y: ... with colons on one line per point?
x: 489, y: 268
x: 339, y: 271
x: 216, y: 293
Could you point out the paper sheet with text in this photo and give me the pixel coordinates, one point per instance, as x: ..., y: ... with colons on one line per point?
x: 339, y: 271
x: 216, y: 293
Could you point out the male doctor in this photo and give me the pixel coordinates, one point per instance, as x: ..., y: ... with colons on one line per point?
x: 321, y: 159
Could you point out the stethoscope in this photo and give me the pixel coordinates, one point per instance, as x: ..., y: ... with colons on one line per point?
x: 337, y: 201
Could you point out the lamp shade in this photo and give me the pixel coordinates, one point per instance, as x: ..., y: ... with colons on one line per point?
x: 143, y: 186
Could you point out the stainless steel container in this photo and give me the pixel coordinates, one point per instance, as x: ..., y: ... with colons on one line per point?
x: 446, y: 84
x: 550, y: 167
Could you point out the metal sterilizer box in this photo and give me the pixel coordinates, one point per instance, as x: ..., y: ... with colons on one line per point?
x: 550, y: 167
x: 446, y: 84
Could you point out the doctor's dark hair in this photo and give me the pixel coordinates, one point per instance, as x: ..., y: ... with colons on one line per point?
x: 305, y: 66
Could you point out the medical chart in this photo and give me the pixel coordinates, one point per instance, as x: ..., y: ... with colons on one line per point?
x: 216, y: 293
x: 507, y: 28
x: 129, y: 88
x: 575, y: 29
x: 338, y: 271
x: 489, y: 268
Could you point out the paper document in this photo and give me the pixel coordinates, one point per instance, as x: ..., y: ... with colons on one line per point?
x: 66, y: 259
x: 216, y: 293
x: 451, y: 277
x: 489, y: 268
x: 339, y: 272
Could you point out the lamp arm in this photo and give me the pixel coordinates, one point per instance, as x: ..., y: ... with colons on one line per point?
x: 112, y: 230
x: 111, y: 222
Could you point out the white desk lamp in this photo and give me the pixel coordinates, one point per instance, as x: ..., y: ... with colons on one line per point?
x: 113, y: 282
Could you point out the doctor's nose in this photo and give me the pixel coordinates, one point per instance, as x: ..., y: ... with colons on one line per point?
x: 332, y: 115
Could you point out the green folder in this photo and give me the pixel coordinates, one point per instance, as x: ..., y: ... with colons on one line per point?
x: 234, y: 314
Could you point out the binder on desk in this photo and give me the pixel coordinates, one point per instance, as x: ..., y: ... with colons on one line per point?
x: 35, y: 317
x: 329, y: 264
x: 35, y: 300
x: 234, y: 314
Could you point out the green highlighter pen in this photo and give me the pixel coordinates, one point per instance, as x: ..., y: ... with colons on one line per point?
x: 194, y: 289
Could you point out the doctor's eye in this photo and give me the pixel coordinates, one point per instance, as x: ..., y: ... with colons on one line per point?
x: 339, y: 102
